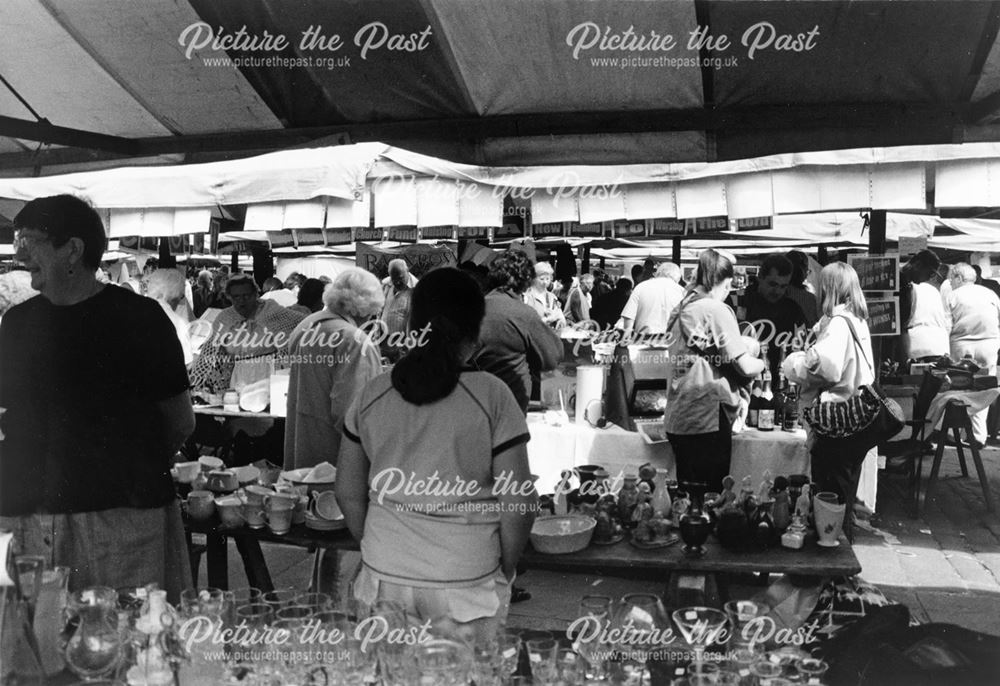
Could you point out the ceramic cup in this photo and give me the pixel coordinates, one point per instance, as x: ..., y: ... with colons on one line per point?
x: 324, y: 506
x: 187, y: 471
x: 200, y: 504
x: 254, y: 515
x: 255, y: 495
x: 222, y: 480
x: 299, y: 513
x: 230, y: 511
x: 208, y: 463
x: 279, y: 514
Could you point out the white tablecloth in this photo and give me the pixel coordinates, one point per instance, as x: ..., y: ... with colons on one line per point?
x: 553, y: 449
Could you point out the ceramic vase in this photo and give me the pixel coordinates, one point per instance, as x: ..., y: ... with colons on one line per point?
x: 829, y: 516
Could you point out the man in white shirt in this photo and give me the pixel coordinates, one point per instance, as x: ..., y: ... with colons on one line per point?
x: 975, y: 328
x: 927, y: 322
x: 649, y: 307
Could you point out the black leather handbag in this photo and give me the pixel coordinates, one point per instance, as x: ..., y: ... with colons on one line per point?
x: 868, y: 415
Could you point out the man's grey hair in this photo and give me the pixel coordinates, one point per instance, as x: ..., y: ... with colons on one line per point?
x: 166, y: 285
x: 962, y: 271
x: 355, y: 293
x: 399, y: 266
x: 669, y: 270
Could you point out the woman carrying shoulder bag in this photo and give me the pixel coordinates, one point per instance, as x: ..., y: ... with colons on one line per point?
x: 710, y: 360
x: 833, y: 370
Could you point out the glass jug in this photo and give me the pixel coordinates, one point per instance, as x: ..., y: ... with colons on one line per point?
x: 95, y: 644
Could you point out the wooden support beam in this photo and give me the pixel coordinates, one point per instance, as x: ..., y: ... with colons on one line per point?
x: 44, y: 132
x: 876, y: 232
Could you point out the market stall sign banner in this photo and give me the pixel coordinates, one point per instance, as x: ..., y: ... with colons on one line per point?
x: 670, y: 228
x: 473, y: 232
x: 629, y: 229
x: 876, y: 272
x: 338, y: 236
x: 883, y: 317
x: 548, y: 230
x: 753, y: 224
x: 402, y: 234
x: 706, y: 224
x: 420, y: 258
x: 368, y: 233
x: 593, y: 230
x: 440, y: 233
x: 513, y: 227
x: 178, y: 245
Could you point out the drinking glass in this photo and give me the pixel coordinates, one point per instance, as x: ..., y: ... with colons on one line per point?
x: 295, y: 612
x: 280, y: 597
x: 812, y: 670
x: 700, y: 627
x: 319, y: 602
x: 542, y: 654
x: 702, y: 673
x: 569, y: 666
x: 509, y: 648
x: 255, y: 615
x: 765, y: 671
x: 443, y: 663
x: 644, y: 626
x: 741, y: 613
x: 597, y: 610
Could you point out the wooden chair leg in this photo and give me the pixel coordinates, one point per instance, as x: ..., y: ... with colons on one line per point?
x: 958, y: 447
x: 935, y: 469
x: 977, y: 460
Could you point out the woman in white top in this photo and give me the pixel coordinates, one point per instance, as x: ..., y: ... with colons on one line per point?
x: 833, y: 369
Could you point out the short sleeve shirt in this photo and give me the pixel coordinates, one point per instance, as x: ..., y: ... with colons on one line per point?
x: 81, y: 385
x: 709, y: 327
x: 432, y: 511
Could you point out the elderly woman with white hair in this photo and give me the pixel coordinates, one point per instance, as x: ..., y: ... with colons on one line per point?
x: 331, y: 360
x: 541, y: 299
x: 166, y: 286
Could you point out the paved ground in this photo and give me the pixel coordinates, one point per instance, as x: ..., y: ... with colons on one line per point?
x: 945, y: 566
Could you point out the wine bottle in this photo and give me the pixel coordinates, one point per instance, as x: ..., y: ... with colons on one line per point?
x: 780, y: 389
x: 754, y: 406
x: 765, y: 416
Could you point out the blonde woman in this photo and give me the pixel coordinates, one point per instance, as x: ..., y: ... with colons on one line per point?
x: 833, y: 370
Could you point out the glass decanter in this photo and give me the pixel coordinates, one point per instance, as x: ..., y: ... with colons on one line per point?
x: 95, y: 646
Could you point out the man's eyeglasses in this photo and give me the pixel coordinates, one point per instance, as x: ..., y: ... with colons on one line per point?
x: 26, y: 242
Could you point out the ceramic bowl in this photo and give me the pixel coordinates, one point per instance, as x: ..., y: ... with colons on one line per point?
x: 562, y: 534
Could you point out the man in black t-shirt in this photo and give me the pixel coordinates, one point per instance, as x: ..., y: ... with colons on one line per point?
x: 96, y: 399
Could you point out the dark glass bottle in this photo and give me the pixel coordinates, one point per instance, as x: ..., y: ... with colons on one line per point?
x: 790, y: 420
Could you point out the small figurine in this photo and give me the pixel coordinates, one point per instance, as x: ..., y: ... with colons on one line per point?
x: 803, y: 506
x: 795, y: 536
x: 746, y: 490
x: 726, y: 499
x: 764, y: 492
x: 643, y: 510
x: 560, y: 499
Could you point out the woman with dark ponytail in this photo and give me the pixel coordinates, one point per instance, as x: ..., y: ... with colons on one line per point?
x: 433, y: 479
